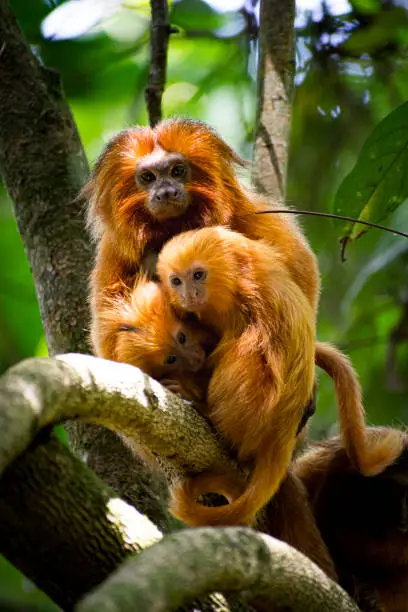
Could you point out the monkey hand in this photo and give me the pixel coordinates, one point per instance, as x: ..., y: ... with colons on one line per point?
x: 148, y: 265
x: 187, y: 390
x: 173, y: 385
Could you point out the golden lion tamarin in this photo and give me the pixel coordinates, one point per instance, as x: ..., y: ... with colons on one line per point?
x: 363, y: 521
x: 151, y: 184
x: 145, y: 332
x: 140, y: 328
x: 263, y: 366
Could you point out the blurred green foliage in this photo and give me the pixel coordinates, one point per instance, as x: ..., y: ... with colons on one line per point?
x: 352, y: 71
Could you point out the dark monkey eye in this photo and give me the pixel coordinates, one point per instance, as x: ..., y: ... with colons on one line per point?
x: 175, y: 281
x: 147, y: 177
x: 171, y: 359
x: 178, y: 171
x: 126, y: 327
x: 181, y: 337
x: 199, y: 275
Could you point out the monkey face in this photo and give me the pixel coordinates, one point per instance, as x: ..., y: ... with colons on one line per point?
x: 163, y: 176
x: 160, y: 351
x: 189, y: 288
x: 185, y: 354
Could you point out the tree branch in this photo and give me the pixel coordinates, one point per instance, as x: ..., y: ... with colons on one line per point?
x: 159, y: 40
x: 68, y: 531
x: 275, y: 87
x: 62, y: 526
x: 266, y: 572
x: 41, y: 392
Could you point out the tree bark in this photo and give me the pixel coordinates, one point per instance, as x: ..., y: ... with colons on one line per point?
x: 44, y: 167
x: 37, y: 393
x: 265, y: 572
x: 276, y: 70
x: 62, y: 526
x: 50, y: 502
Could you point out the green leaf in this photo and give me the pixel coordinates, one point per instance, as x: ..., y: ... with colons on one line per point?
x: 378, y: 184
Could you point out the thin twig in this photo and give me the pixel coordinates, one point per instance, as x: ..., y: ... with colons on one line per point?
x: 332, y: 216
x: 159, y: 39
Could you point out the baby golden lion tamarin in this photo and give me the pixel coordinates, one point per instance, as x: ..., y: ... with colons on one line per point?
x: 263, y: 365
x: 141, y: 329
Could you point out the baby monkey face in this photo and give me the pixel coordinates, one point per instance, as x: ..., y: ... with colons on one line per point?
x: 163, y: 176
x: 189, y: 288
x: 163, y: 351
x: 185, y: 352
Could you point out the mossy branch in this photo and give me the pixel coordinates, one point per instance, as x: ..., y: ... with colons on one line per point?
x: 39, y: 392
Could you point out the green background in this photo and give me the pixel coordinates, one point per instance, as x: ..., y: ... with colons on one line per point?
x: 352, y: 72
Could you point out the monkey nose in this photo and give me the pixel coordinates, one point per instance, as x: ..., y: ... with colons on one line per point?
x: 197, y: 362
x: 166, y: 193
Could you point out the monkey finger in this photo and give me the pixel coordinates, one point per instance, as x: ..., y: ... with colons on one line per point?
x: 171, y: 385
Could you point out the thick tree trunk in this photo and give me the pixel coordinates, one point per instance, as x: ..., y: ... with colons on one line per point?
x: 43, y: 166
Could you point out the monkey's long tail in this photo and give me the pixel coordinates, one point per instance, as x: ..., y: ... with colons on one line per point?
x: 372, y: 456
x: 272, y: 464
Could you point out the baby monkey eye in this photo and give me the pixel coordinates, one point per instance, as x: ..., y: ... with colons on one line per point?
x: 181, y: 338
x: 147, y: 177
x: 199, y: 275
x: 126, y: 327
x: 178, y: 171
x: 171, y: 359
x: 175, y: 281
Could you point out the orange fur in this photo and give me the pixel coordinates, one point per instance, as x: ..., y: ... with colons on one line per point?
x: 140, y: 328
x: 371, y: 456
x: 263, y: 365
x: 363, y: 520
x: 127, y: 234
